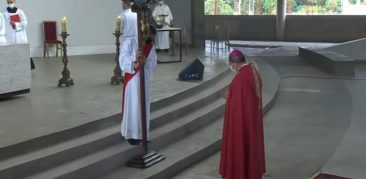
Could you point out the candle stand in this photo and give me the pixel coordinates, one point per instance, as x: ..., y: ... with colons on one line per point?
x: 117, y: 78
x: 66, y: 79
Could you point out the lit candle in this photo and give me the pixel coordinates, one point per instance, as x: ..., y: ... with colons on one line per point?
x: 118, y: 23
x: 63, y: 24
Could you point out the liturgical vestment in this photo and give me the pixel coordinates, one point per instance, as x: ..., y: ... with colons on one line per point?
x: 2, y: 29
x: 162, y: 15
x: 18, y: 34
x: 242, y: 150
x: 131, y: 105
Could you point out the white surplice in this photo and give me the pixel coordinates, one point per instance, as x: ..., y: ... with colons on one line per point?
x: 131, y: 112
x: 128, y: 41
x: 162, y: 15
x: 2, y: 29
x: 17, y: 35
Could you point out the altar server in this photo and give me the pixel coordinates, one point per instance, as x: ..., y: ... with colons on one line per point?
x: 163, y: 18
x: 15, y: 23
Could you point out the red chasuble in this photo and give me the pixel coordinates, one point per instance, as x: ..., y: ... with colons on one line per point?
x: 242, y: 148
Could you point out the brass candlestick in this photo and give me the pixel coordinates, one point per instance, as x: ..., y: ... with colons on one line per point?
x: 117, y: 78
x: 66, y: 80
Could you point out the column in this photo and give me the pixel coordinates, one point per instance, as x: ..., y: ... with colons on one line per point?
x: 280, y: 20
x: 198, y: 22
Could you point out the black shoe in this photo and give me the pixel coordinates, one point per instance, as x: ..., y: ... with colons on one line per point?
x: 157, y: 50
x: 166, y: 50
x: 134, y: 141
x: 32, y: 64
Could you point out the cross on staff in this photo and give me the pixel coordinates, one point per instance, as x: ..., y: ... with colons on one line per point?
x: 148, y: 158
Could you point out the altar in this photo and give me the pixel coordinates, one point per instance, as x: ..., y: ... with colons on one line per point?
x: 15, y: 72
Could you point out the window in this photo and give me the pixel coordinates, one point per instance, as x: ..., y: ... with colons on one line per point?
x: 294, y: 7
x: 314, y: 7
x: 240, y: 7
x: 326, y: 7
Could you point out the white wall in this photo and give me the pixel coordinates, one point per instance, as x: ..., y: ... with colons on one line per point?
x: 90, y: 23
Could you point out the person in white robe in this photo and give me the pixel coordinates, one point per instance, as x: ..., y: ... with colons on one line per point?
x: 131, y: 107
x: 15, y: 23
x: 163, y: 18
x: 128, y: 38
x: 2, y: 29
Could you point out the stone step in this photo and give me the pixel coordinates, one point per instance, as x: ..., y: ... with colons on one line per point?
x: 222, y: 77
x: 179, y: 155
x: 111, y: 158
x: 36, y: 161
x: 197, y: 147
x: 85, y: 129
x: 331, y: 62
x: 172, y: 121
x: 54, y: 155
x: 190, y: 102
x: 208, y: 167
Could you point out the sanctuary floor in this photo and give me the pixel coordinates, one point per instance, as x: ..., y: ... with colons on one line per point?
x: 315, y: 125
x: 48, y: 108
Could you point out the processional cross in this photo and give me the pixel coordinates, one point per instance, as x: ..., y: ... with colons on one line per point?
x: 148, y: 158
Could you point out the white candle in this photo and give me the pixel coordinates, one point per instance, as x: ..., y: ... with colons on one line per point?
x: 64, y: 24
x: 118, y: 23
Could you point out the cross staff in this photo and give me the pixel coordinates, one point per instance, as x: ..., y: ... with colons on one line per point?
x: 148, y: 158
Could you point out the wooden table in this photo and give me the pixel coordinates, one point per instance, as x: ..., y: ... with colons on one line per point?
x: 173, y: 29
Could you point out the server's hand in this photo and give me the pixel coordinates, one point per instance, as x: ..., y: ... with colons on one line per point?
x: 140, y: 57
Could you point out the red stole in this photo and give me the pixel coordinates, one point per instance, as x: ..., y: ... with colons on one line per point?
x: 242, y: 150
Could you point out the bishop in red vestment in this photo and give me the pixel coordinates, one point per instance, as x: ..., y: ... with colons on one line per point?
x: 242, y: 148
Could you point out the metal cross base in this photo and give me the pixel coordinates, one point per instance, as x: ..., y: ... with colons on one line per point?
x: 145, y: 161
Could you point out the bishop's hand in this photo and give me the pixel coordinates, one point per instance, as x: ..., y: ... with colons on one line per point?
x: 224, y: 93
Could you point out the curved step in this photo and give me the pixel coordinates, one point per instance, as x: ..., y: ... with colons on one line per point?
x: 113, y: 157
x: 331, y: 62
x: 201, y: 144
x: 181, y: 154
x: 107, y: 135
x: 85, y: 129
x: 348, y: 159
x: 101, y: 152
x: 271, y: 85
